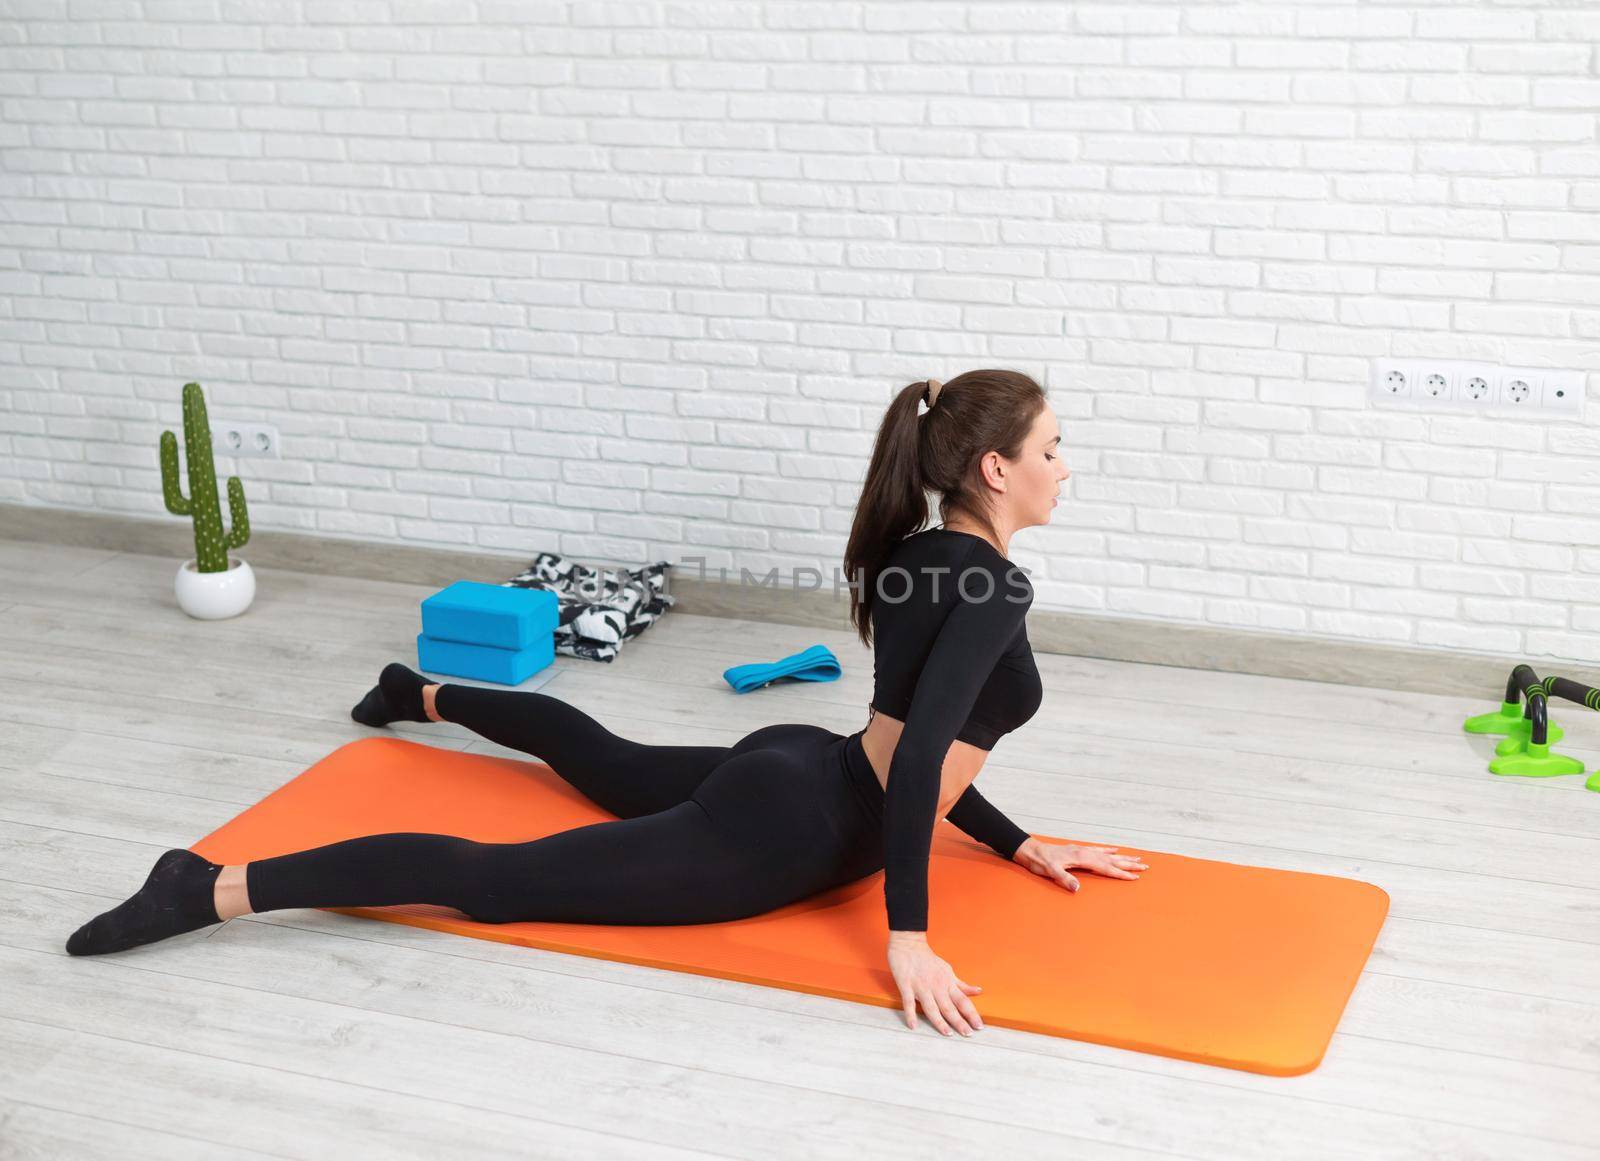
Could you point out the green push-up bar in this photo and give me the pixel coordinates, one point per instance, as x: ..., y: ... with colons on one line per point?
x: 1523, y: 717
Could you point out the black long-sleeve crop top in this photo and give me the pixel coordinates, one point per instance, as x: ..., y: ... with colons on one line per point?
x: 951, y: 661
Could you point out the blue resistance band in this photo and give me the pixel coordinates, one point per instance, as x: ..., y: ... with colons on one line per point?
x: 814, y: 664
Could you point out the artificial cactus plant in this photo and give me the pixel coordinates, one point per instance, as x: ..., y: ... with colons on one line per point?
x: 211, y: 544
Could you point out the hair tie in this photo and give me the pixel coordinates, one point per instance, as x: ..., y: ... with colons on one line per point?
x: 933, y: 391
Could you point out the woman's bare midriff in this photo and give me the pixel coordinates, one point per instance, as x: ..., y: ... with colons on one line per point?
x: 961, y: 763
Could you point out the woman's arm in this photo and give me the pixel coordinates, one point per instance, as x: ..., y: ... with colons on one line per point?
x: 977, y: 817
x: 974, y: 635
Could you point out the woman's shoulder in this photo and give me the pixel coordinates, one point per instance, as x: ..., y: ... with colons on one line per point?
x: 962, y: 566
x: 946, y: 545
x: 1010, y: 585
x: 1007, y: 581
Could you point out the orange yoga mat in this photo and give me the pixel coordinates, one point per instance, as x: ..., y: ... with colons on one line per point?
x: 1241, y: 967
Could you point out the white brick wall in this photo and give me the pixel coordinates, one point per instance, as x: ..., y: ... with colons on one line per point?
x: 635, y: 280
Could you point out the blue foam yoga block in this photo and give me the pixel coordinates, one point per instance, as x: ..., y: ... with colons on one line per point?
x: 482, y: 614
x: 484, y: 662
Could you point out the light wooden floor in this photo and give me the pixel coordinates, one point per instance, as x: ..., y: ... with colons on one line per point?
x: 126, y: 728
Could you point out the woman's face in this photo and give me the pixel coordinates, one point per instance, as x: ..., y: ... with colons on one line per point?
x: 1037, y: 475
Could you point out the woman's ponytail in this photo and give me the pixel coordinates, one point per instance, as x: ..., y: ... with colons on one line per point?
x: 893, y: 503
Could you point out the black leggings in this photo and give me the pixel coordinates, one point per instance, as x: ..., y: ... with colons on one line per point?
x: 703, y: 834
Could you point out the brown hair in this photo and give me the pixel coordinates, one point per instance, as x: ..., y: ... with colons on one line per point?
x: 973, y: 414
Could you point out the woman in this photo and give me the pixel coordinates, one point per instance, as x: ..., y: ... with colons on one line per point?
x: 707, y: 834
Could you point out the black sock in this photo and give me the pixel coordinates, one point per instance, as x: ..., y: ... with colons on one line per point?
x: 396, y: 697
x: 177, y: 896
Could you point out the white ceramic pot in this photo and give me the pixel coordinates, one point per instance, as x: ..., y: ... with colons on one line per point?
x: 212, y: 596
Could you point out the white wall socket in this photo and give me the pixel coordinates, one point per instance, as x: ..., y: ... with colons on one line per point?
x: 245, y: 440
x: 1429, y: 384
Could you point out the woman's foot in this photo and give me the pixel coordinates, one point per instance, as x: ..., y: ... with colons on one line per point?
x: 178, y: 896
x: 396, y: 698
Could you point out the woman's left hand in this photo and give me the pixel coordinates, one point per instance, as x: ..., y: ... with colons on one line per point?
x: 1052, y: 860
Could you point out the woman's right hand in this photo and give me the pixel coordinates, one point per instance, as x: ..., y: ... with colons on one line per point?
x: 923, y: 977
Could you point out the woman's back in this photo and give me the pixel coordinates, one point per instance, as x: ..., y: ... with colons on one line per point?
x: 953, y: 672
x: 927, y: 575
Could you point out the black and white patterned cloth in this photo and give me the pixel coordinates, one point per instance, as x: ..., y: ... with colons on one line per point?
x: 600, y: 609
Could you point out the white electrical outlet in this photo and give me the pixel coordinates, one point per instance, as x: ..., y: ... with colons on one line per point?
x: 1519, y: 389
x: 1429, y: 384
x: 1390, y: 379
x: 245, y: 440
